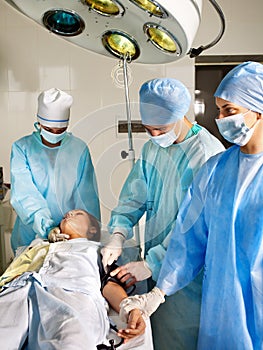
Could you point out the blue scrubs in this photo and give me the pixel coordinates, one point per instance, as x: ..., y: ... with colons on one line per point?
x: 48, y: 182
x: 219, y: 226
x: 156, y: 186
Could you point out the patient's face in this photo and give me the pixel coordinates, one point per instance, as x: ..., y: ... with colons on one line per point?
x: 76, y: 224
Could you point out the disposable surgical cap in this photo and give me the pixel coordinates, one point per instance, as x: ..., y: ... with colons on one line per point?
x: 54, y: 108
x: 163, y: 101
x: 243, y: 86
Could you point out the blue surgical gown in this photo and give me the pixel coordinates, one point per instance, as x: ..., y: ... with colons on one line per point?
x: 219, y: 227
x: 156, y: 186
x: 48, y: 182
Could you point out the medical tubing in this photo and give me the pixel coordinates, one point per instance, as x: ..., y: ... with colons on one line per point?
x: 112, y: 346
x: 194, y: 52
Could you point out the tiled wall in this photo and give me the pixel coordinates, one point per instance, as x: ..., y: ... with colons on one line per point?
x: 32, y: 59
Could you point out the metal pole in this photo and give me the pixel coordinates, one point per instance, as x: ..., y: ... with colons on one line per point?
x: 131, y: 152
x: 128, y: 112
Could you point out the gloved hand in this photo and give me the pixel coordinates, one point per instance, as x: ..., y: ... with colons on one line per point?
x: 134, y: 271
x: 55, y: 235
x: 112, y: 249
x: 147, y: 303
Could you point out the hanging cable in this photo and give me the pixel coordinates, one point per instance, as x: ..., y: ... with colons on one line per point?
x: 196, y: 52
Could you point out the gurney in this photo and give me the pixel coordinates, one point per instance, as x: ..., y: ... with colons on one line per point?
x: 139, y: 343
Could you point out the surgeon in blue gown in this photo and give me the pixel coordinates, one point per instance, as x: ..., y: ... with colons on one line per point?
x: 220, y: 224
x: 51, y: 173
x: 156, y: 187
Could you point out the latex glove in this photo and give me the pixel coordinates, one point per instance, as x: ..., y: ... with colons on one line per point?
x: 55, y: 235
x: 147, y: 303
x: 134, y: 271
x: 112, y: 249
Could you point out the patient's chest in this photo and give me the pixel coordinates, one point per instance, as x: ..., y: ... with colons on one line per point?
x: 72, y: 265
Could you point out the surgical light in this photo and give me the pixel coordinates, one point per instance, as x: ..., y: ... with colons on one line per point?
x: 105, y: 7
x: 63, y: 22
x: 121, y: 45
x: 160, y: 31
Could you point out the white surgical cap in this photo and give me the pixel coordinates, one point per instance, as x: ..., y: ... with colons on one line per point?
x: 243, y: 85
x: 163, y: 101
x: 54, y: 108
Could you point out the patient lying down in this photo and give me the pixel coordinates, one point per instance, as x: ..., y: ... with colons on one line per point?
x: 52, y: 296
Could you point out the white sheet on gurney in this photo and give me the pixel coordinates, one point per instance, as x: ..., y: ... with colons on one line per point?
x: 61, y: 305
x: 47, y: 299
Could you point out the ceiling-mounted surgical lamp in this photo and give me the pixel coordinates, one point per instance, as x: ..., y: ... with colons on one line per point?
x: 160, y: 31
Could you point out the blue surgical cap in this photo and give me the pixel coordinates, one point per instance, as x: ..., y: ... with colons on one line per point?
x: 163, y: 101
x: 243, y: 86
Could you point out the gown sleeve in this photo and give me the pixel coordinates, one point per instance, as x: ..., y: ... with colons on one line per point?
x: 86, y: 194
x: 132, y: 202
x: 188, y: 240
x: 28, y: 202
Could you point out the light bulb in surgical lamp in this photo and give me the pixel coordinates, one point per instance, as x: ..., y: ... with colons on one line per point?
x: 63, y: 22
x: 162, y: 38
x: 120, y: 44
x: 105, y: 7
x: 152, y: 7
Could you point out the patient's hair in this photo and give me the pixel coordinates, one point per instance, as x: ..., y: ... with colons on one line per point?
x: 93, y: 234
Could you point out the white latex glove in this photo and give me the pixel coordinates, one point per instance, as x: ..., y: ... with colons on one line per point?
x: 148, y: 303
x: 112, y: 249
x: 55, y: 235
x: 139, y: 270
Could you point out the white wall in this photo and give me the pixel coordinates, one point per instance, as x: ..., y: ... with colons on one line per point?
x: 32, y: 59
x: 244, y: 27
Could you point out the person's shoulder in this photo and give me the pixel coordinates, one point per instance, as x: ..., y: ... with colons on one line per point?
x: 207, y: 134
x: 217, y: 158
x: 211, y: 142
x: 24, y: 139
x: 76, y: 140
x: 149, y: 146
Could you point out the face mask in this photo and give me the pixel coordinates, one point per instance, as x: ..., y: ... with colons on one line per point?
x: 164, y: 140
x: 234, y: 129
x: 52, y: 138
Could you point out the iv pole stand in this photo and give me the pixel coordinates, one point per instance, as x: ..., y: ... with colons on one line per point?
x: 131, y: 152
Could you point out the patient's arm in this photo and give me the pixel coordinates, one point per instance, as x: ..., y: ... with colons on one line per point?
x: 114, y: 294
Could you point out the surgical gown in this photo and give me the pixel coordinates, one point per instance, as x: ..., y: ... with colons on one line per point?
x: 48, y: 182
x: 219, y: 226
x: 156, y: 186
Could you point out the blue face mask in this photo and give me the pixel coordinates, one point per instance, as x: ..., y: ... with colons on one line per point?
x: 51, y: 137
x: 234, y: 129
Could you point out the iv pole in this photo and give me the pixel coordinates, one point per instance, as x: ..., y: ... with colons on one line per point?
x: 131, y: 153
